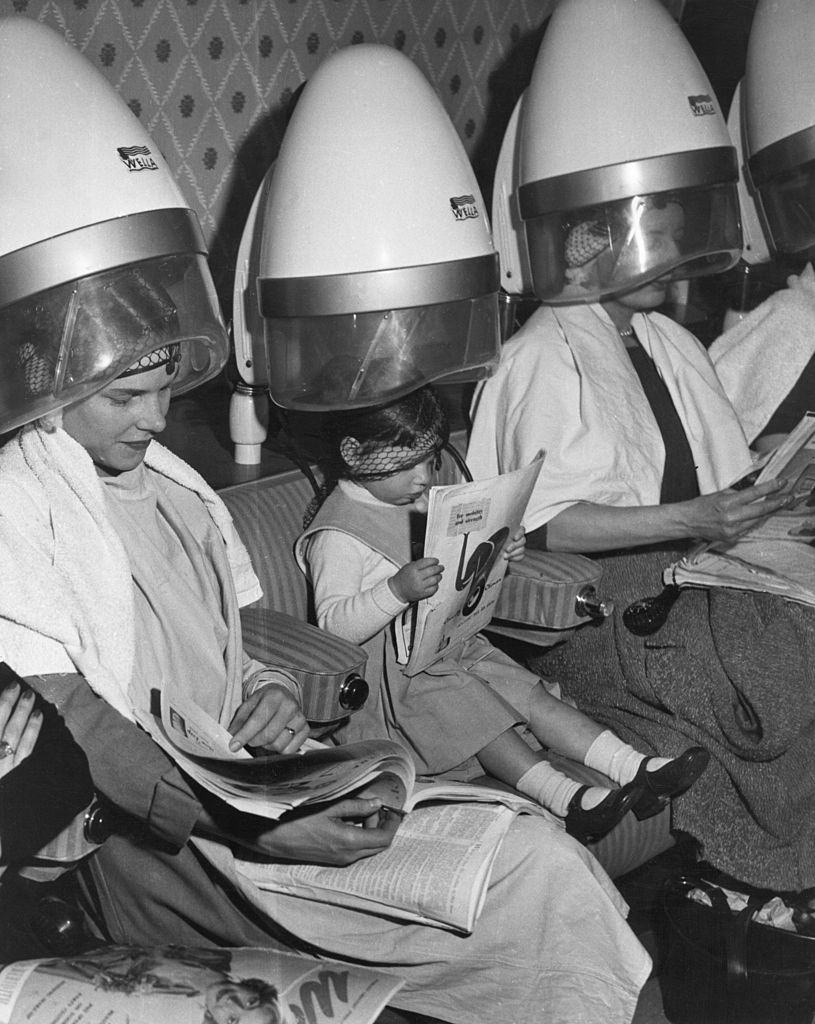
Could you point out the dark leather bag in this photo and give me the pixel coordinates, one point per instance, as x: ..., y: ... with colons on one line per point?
x: 718, y: 966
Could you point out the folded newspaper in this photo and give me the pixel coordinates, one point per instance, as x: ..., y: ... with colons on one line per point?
x: 157, y: 984
x: 778, y: 555
x: 468, y: 526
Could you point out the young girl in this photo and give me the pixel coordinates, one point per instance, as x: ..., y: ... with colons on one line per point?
x: 461, y: 712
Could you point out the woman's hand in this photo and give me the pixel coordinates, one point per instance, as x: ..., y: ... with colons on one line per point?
x: 417, y: 580
x: 516, y: 546
x: 270, y: 718
x: 339, y: 834
x: 20, y: 726
x: 727, y: 515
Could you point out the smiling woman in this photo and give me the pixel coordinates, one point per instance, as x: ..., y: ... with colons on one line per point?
x: 116, y: 425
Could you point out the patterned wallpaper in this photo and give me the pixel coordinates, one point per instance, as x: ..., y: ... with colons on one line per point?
x: 211, y: 79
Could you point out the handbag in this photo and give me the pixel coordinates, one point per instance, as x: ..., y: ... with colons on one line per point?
x: 718, y: 966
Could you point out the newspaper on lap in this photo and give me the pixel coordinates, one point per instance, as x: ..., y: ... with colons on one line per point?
x: 778, y: 556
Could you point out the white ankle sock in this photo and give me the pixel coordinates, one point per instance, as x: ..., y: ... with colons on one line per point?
x: 609, y: 755
x: 553, y: 790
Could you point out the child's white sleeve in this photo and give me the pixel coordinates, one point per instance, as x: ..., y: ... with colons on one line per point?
x: 352, y: 598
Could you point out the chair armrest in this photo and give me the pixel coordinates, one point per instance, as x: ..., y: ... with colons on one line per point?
x: 546, y: 593
x: 330, y: 670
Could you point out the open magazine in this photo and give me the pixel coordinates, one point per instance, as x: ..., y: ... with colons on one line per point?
x: 157, y: 984
x: 778, y: 555
x: 267, y: 786
x: 436, y: 871
x: 468, y: 526
x: 438, y: 866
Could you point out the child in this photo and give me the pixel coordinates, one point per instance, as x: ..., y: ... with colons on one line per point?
x: 357, y: 554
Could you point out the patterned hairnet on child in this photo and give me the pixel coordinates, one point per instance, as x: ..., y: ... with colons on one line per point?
x: 375, y: 458
x: 373, y: 443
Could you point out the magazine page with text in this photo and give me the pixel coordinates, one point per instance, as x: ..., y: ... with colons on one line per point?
x: 436, y: 870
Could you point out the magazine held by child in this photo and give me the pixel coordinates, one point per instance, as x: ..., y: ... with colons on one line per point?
x: 467, y: 528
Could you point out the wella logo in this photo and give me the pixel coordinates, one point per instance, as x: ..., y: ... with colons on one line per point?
x: 137, y: 158
x: 463, y: 207
x: 701, y: 105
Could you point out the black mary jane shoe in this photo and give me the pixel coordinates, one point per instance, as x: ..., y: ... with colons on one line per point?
x: 587, y: 825
x: 670, y: 780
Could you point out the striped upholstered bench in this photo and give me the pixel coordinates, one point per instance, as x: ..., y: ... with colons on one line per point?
x: 268, y: 514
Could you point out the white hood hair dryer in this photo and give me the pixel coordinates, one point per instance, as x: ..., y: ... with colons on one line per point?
x: 101, y: 258
x: 616, y: 170
x: 367, y: 267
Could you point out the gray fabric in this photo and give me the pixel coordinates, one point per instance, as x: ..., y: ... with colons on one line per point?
x: 733, y: 672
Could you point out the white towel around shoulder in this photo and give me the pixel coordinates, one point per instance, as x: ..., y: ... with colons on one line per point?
x: 760, y: 358
x: 66, y: 602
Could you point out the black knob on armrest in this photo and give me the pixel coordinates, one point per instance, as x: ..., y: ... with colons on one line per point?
x: 353, y: 692
x: 589, y: 603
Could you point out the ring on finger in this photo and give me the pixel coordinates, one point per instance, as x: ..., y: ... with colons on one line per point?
x: 288, y: 728
x: 6, y: 749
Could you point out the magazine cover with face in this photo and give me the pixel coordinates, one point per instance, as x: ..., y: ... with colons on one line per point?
x: 152, y: 985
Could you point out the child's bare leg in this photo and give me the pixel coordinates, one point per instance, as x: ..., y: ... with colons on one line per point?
x: 508, y: 757
x: 559, y: 726
x: 511, y: 760
x: 569, y: 731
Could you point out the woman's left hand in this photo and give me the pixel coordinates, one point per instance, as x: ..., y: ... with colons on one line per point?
x: 271, y: 718
x: 20, y: 725
x: 516, y: 546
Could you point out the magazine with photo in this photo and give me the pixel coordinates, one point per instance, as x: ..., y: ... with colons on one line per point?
x: 778, y: 555
x: 157, y: 984
x: 468, y: 526
x: 274, y: 784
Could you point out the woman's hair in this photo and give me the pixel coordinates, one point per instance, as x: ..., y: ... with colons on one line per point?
x: 372, y: 443
x: 70, y: 332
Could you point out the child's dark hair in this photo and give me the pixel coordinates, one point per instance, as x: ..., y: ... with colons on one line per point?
x: 380, y: 435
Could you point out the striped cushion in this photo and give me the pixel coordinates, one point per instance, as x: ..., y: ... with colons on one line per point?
x: 269, y: 517
x: 320, y: 662
x: 542, y: 588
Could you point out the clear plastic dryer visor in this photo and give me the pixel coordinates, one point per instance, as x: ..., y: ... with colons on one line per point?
x: 595, y: 252
x: 64, y: 343
x: 788, y: 204
x: 351, y: 360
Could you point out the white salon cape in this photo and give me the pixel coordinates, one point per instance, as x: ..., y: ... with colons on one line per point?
x: 566, y: 386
